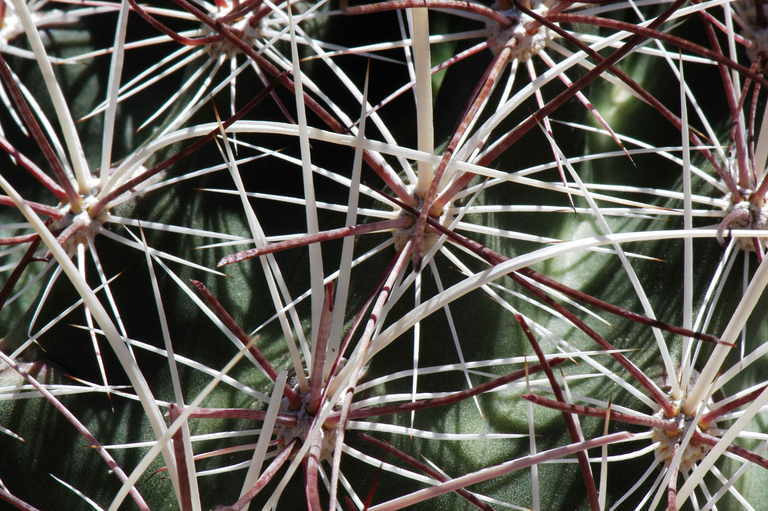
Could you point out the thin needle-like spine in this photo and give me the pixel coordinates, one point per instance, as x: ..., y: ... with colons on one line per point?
x: 107, y: 288
x: 416, y: 345
x: 89, y: 319
x: 313, y: 226
x: 269, y: 265
x: 113, y: 84
x: 267, y: 429
x: 182, y: 443
x: 347, y: 247
x: 76, y: 154
x: 687, y: 241
x: 735, y: 325
x: 236, y: 330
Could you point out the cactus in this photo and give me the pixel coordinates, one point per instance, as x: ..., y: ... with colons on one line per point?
x: 405, y: 254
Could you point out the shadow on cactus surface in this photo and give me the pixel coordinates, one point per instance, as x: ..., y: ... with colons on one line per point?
x: 421, y: 254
